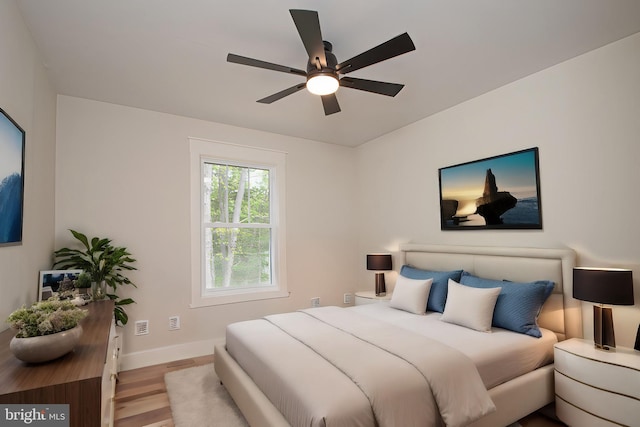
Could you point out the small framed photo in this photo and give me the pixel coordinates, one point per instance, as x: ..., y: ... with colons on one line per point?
x: 53, y: 282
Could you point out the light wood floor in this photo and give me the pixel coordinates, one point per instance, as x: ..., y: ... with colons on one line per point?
x: 141, y: 397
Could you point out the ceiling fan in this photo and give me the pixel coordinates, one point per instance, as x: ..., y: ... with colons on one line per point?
x: 324, y: 74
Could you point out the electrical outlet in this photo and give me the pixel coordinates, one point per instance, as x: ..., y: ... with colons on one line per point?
x: 315, y: 302
x: 142, y: 327
x: 347, y: 298
x: 174, y: 323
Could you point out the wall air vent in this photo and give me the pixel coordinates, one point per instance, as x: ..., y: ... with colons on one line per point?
x: 142, y: 327
x: 174, y: 323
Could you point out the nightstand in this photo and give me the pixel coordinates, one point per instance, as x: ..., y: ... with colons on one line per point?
x: 369, y: 297
x: 595, y: 387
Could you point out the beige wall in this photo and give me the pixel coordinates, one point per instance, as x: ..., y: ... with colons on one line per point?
x: 26, y: 95
x: 124, y: 173
x: 584, y: 117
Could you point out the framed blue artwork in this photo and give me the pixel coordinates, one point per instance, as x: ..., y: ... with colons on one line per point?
x: 12, y: 140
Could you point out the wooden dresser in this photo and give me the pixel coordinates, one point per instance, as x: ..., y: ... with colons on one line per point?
x: 84, y: 379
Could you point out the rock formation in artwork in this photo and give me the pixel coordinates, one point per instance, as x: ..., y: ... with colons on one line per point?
x: 448, y: 209
x: 493, y: 203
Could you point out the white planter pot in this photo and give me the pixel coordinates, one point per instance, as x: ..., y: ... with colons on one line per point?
x: 46, y: 347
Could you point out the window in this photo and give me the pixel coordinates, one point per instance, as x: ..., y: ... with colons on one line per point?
x: 237, y: 199
x: 237, y: 225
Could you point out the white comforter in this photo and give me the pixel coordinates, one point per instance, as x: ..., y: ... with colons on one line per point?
x: 407, y: 379
x: 499, y: 356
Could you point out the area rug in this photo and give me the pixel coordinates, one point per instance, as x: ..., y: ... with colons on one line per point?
x: 198, y: 399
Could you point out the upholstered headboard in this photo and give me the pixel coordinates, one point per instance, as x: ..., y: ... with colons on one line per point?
x: 561, y: 313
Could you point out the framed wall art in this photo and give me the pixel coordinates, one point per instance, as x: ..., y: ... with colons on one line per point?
x: 53, y: 282
x: 501, y: 192
x: 12, y: 139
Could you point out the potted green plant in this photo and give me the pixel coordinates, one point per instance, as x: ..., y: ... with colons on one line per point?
x: 83, y: 283
x: 105, y: 264
x: 46, y: 330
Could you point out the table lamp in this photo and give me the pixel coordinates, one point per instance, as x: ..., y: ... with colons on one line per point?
x: 379, y: 262
x: 612, y: 286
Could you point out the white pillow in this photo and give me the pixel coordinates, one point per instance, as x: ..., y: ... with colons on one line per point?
x: 411, y: 295
x: 470, y: 307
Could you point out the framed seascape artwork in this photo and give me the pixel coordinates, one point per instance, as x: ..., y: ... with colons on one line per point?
x: 501, y: 192
x: 11, y: 180
x: 55, y: 282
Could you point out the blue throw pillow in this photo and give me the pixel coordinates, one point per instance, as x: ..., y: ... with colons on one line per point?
x: 438, y: 293
x: 518, y: 304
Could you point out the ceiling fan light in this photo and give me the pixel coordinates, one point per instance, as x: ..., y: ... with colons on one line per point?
x: 322, y: 84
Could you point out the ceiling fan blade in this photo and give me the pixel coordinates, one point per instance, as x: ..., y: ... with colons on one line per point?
x: 276, y: 96
x: 330, y: 104
x: 308, y: 26
x: 382, y: 88
x: 237, y: 59
x: 394, y: 47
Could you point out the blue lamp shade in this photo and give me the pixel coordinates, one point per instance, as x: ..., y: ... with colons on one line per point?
x: 612, y: 286
x: 379, y: 262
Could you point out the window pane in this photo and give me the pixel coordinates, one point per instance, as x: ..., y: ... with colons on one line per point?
x: 235, y: 194
x: 237, y: 257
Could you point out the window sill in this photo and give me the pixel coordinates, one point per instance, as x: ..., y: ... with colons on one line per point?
x: 237, y: 297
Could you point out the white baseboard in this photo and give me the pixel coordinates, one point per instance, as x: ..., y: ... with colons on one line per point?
x: 141, y: 359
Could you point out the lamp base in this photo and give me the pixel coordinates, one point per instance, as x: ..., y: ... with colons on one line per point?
x: 603, y: 333
x: 381, y: 288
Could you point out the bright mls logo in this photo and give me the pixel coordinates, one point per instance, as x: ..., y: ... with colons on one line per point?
x: 34, y: 415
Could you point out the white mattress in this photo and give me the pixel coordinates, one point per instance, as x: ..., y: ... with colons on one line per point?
x: 500, y: 355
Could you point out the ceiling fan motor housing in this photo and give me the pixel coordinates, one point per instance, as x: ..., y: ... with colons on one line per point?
x: 314, y: 67
x: 322, y: 79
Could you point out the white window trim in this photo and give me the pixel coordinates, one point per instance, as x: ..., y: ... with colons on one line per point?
x: 201, y: 149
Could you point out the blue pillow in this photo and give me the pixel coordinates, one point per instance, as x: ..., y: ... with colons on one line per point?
x: 438, y: 293
x: 518, y: 304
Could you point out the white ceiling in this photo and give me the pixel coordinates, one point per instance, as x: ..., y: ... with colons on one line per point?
x: 170, y: 55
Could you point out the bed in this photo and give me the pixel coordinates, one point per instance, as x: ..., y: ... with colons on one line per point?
x: 242, y: 364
